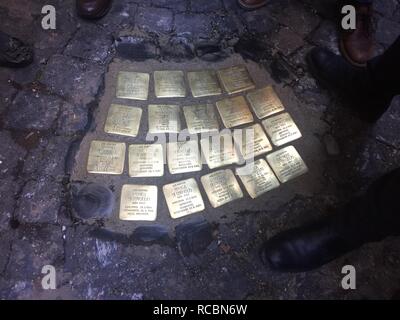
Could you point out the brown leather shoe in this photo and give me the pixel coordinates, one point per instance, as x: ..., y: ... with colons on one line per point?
x: 252, y: 4
x: 357, y: 46
x: 92, y: 9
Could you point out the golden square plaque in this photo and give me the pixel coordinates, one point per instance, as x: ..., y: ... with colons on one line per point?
x: 234, y: 111
x: 201, y: 118
x: 287, y: 164
x: 252, y: 141
x: 221, y: 187
x: 236, y: 79
x: 219, y: 150
x: 146, y: 160
x: 184, y: 156
x: 123, y: 120
x: 265, y: 102
x: 133, y: 85
x: 164, y: 119
x: 106, y: 157
x: 261, y: 179
x: 138, y: 203
x: 169, y: 84
x: 204, y: 83
x: 183, y: 198
x: 281, y: 129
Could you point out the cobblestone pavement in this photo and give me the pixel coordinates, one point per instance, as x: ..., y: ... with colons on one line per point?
x: 47, y: 108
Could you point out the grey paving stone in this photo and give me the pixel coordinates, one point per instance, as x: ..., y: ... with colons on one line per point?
x: 11, y: 154
x: 39, y: 201
x: 176, y: 5
x: 387, y: 31
x: 260, y: 21
x: 201, y: 6
x: 34, y: 248
x: 73, y: 118
x: 72, y: 78
x: 196, y: 25
x: 97, y: 50
x: 33, y: 110
x: 287, y: 41
x: 155, y: 19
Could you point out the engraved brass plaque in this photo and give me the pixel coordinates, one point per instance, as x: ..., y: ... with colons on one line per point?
x: 164, y: 119
x: 201, y: 118
x: 183, y: 198
x: 261, y: 180
x: 204, y: 83
x: 219, y: 150
x: 169, y: 84
x: 106, y: 157
x: 123, y: 120
x: 146, y: 160
x: 287, y: 164
x: 236, y: 79
x: 234, y: 111
x: 138, y: 203
x: 184, y: 156
x: 221, y: 187
x: 252, y: 141
x: 281, y: 129
x: 133, y: 85
x: 265, y: 102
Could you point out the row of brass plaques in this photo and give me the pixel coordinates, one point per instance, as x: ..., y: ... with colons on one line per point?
x: 219, y: 150
x: 139, y: 202
x: 171, y: 83
x: 234, y: 112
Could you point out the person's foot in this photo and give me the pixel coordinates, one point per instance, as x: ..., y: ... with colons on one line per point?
x: 252, y: 4
x: 354, y: 83
x: 357, y: 46
x: 305, y: 248
x: 92, y: 9
x: 13, y: 52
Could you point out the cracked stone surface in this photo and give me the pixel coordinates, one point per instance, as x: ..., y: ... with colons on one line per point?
x: 49, y: 108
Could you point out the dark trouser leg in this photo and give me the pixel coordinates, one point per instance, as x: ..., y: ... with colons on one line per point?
x: 385, y: 70
x: 367, y: 218
x: 374, y: 215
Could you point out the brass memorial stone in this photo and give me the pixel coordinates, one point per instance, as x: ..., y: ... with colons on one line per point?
x: 204, y: 83
x: 252, y: 141
x: 287, y: 164
x: 236, y: 79
x: 221, y: 187
x: 234, y: 111
x: 281, y: 129
x: 146, y: 160
x: 219, y: 150
x: 169, y: 84
x: 201, y: 118
x: 164, y: 119
x: 106, y: 157
x: 183, y: 198
x: 123, y: 120
x: 184, y: 156
x: 261, y: 179
x: 138, y: 203
x: 265, y: 102
x: 133, y: 85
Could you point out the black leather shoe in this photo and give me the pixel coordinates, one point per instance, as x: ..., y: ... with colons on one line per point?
x: 305, y: 248
x: 14, y: 53
x: 356, y: 84
x: 93, y: 9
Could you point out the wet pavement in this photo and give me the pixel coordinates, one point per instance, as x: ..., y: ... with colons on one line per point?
x: 52, y: 109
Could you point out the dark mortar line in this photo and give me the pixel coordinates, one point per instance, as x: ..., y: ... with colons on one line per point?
x: 2, y: 273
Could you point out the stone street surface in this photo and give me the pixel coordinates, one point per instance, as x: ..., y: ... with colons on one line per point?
x: 51, y: 110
